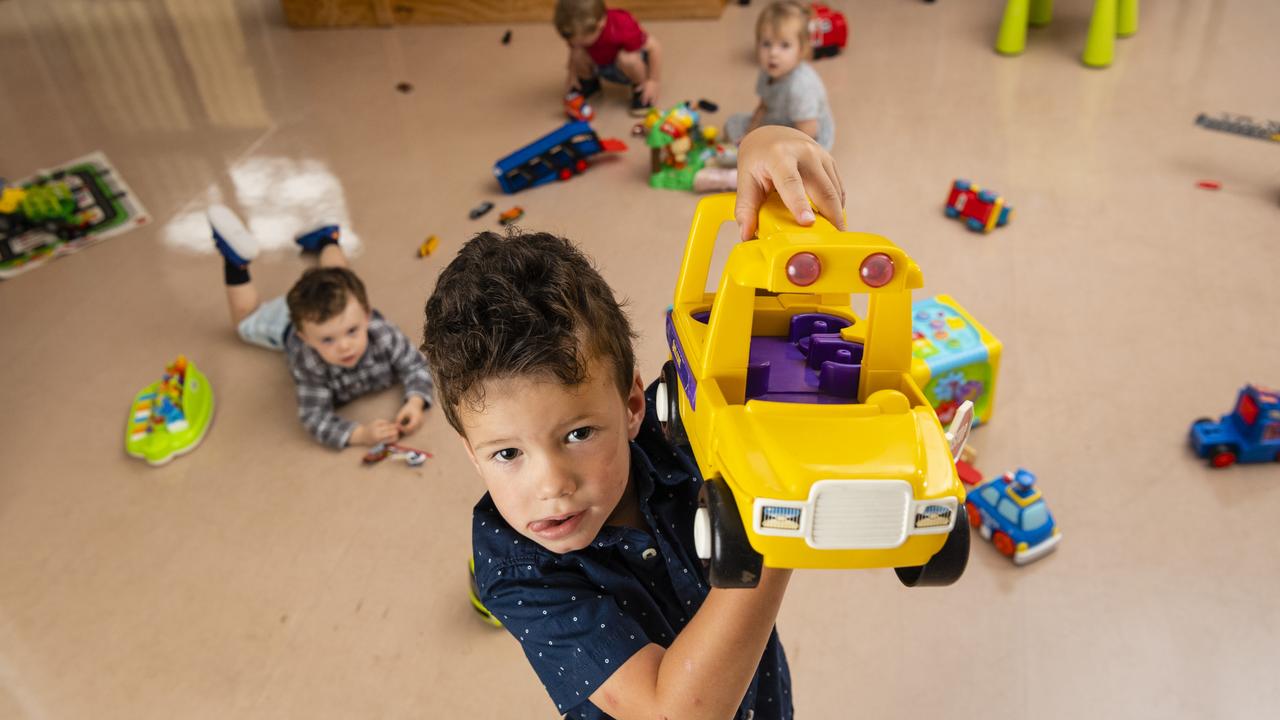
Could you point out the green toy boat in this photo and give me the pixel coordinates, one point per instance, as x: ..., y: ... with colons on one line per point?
x: 170, y: 417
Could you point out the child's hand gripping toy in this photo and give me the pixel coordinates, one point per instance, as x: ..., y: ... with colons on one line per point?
x: 818, y: 448
x: 382, y: 451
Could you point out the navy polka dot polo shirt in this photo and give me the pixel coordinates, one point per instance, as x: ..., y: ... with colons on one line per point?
x: 581, y: 615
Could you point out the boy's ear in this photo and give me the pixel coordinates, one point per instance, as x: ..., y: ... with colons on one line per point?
x: 635, y: 405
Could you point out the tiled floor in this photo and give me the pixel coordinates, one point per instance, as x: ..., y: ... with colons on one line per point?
x: 265, y: 577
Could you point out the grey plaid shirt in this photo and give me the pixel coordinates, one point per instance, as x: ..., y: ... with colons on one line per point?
x: 322, y: 387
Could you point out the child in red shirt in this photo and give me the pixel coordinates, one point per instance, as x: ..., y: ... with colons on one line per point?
x: 608, y: 44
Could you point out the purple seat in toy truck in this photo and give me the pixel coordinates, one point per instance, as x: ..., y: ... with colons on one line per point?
x: 805, y: 324
x: 812, y: 365
x: 832, y: 347
x: 839, y: 378
x: 758, y: 378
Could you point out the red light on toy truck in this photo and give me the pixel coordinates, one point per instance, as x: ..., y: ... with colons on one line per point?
x: 804, y: 268
x: 877, y: 270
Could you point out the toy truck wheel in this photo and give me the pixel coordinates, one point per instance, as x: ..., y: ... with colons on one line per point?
x: 1221, y: 456
x: 947, y: 565
x: 975, y: 515
x: 987, y: 196
x: 669, y: 402
x: 732, y: 562
x: 962, y: 185
x: 952, y: 212
x: 1003, y: 543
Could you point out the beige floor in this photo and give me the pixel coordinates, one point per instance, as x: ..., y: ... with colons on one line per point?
x: 264, y: 577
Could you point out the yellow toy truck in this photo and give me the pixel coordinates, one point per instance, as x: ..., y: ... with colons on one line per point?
x: 817, y: 448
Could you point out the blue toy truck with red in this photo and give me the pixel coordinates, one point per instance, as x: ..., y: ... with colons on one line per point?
x: 558, y: 155
x: 1250, y: 433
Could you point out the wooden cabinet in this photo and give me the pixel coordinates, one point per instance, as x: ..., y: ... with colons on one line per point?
x: 350, y: 13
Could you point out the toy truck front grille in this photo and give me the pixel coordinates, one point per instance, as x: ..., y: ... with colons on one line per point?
x: 860, y: 514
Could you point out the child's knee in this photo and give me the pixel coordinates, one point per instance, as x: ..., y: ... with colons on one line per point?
x: 633, y: 64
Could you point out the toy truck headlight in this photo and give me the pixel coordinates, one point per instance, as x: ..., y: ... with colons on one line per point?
x: 780, y: 517
x: 803, y: 269
x: 932, y: 516
x: 876, y: 270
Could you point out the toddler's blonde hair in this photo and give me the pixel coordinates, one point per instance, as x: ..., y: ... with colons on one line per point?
x: 776, y: 15
x: 574, y: 17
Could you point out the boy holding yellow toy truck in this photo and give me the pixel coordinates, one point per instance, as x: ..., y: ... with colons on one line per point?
x: 583, y: 545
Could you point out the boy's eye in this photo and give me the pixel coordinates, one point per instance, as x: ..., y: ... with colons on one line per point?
x: 506, y: 455
x: 580, y: 434
x: 352, y: 331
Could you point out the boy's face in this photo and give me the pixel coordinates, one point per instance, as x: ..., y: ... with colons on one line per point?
x: 779, y: 50
x: 555, y: 458
x: 342, y: 339
x: 587, y: 37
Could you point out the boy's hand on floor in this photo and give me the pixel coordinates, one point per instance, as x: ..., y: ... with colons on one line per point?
x: 780, y: 158
x: 410, y: 415
x: 649, y: 91
x: 378, y: 431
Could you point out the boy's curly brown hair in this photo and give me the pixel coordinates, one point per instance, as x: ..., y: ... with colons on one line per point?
x: 521, y: 304
x: 322, y: 293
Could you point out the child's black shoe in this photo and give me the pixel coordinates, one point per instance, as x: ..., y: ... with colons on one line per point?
x: 639, y: 107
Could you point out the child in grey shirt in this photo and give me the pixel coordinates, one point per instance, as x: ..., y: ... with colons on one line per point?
x: 791, y: 93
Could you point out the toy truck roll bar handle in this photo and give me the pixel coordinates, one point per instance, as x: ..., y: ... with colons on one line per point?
x: 727, y: 360
x: 714, y: 211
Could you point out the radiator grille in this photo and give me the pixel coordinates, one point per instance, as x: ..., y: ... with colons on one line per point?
x: 861, y: 514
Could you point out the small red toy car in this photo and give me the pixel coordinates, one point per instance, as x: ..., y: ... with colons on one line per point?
x: 577, y: 107
x: 981, y: 210
x: 827, y: 29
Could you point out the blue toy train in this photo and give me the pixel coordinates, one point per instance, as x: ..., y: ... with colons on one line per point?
x: 559, y: 155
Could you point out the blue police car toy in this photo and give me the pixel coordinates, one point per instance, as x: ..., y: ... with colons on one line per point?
x: 1010, y: 512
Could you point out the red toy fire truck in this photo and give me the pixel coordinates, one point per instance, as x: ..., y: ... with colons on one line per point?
x: 828, y: 30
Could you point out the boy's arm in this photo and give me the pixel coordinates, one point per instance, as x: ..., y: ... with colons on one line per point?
x: 707, y: 669
x: 654, y: 49
x: 409, y: 365
x: 757, y: 117
x: 315, y: 410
